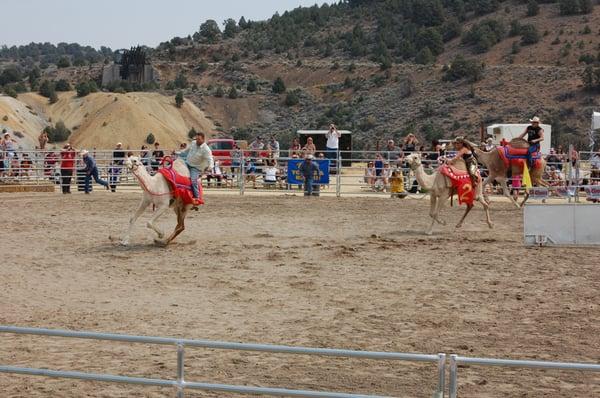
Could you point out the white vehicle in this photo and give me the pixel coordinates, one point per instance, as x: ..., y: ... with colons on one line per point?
x: 510, y: 131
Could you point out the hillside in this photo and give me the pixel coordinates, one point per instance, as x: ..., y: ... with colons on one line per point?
x: 103, y: 119
x: 384, y: 68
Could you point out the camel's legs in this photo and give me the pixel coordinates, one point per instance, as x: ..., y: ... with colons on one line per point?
x: 441, y: 202
x: 467, y: 211
x: 432, y: 212
x: 506, y: 192
x: 140, y: 210
x: 152, y: 223
x: 525, y: 197
x: 181, y: 211
x: 486, y: 207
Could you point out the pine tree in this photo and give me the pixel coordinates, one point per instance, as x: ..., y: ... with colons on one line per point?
x: 179, y: 99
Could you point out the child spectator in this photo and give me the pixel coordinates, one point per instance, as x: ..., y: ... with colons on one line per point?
x: 397, y: 185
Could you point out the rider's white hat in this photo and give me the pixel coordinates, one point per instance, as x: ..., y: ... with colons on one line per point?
x: 535, y: 119
x: 84, y: 152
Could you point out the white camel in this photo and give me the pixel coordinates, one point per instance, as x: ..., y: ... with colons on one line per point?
x: 440, y: 189
x: 157, y: 192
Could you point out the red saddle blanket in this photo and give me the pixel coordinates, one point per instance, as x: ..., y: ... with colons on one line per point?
x: 461, y: 181
x: 181, y: 185
x: 517, y: 157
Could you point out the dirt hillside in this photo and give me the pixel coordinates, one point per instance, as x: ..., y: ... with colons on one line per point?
x: 102, y: 119
x: 17, y: 116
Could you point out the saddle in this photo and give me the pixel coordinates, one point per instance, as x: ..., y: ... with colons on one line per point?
x: 181, y: 186
x: 515, y: 154
x: 461, y: 182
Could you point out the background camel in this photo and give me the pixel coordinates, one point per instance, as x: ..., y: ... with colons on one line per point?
x: 497, y: 171
x: 157, y: 191
x: 440, y: 189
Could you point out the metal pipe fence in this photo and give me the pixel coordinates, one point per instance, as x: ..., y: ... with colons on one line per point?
x: 351, y: 172
x: 456, y: 360
x: 181, y: 384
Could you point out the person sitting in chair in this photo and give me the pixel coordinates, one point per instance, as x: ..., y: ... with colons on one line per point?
x: 535, y: 135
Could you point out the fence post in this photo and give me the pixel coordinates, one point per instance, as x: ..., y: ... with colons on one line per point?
x: 180, y: 364
x: 453, y: 387
x: 242, y: 173
x: 441, y: 387
x: 577, y: 174
x: 338, y: 175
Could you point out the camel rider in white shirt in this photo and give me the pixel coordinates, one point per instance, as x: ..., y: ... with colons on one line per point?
x: 198, y: 158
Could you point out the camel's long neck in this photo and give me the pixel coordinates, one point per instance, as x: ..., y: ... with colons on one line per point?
x: 144, y: 178
x: 425, y: 180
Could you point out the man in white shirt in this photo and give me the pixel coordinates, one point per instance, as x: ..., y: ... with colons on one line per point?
x: 198, y: 157
x: 333, y: 142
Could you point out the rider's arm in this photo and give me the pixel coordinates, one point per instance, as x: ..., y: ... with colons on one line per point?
x: 536, y: 141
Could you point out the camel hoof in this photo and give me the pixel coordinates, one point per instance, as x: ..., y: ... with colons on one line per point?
x: 458, y: 226
x: 160, y: 243
x: 491, y: 225
x: 428, y: 233
x: 124, y: 243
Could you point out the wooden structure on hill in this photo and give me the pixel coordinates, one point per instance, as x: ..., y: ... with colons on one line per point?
x: 133, y: 66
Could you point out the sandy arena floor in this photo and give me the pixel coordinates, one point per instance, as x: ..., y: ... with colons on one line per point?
x: 351, y: 273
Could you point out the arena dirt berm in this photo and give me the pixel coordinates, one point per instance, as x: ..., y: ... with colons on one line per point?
x: 352, y: 273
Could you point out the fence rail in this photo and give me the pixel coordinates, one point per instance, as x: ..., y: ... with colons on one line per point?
x: 246, y: 173
x: 455, y: 360
x: 181, y: 384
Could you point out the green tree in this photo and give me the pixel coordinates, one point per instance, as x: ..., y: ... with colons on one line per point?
x: 58, y: 133
x: 62, y: 85
x: 432, y: 39
x: 251, y: 87
x: 568, y: 7
x: 425, y: 57
x: 11, y: 92
x: 231, y: 28
x: 63, y: 62
x: 53, y: 98
x: 529, y: 35
x: 219, y: 93
x: 278, y: 86
x: 209, y: 32
x: 150, y: 139
x: 179, y: 99
x: 533, y: 8
x: 83, y: 89
x: 181, y: 81
x: 192, y: 133
x: 292, y: 98
x: 461, y: 68
x: 233, y: 94
x: 47, y: 88
x: 586, y: 6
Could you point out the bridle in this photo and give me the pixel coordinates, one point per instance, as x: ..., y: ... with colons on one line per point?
x: 134, y: 167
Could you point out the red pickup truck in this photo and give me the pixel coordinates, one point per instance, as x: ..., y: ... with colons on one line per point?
x: 222, y: 147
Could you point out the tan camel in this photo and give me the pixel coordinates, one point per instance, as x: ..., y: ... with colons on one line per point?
x: 440, y: 189
x: 497, y: 171
x: 157, y: 192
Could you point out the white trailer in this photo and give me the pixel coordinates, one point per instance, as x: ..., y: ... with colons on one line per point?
x: 510, y: 131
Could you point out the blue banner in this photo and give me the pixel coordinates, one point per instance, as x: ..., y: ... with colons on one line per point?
x: 295, y: 177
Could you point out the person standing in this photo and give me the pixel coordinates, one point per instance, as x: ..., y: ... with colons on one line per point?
x: 118, y: 159
x: 333, y: 142
x: 198, y: 157
x: 273, y: 146
x: 157, y: 156
x: 67, y: 165
x: 91, y: 171
x: 309, y: 170
x: 43, y: 139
